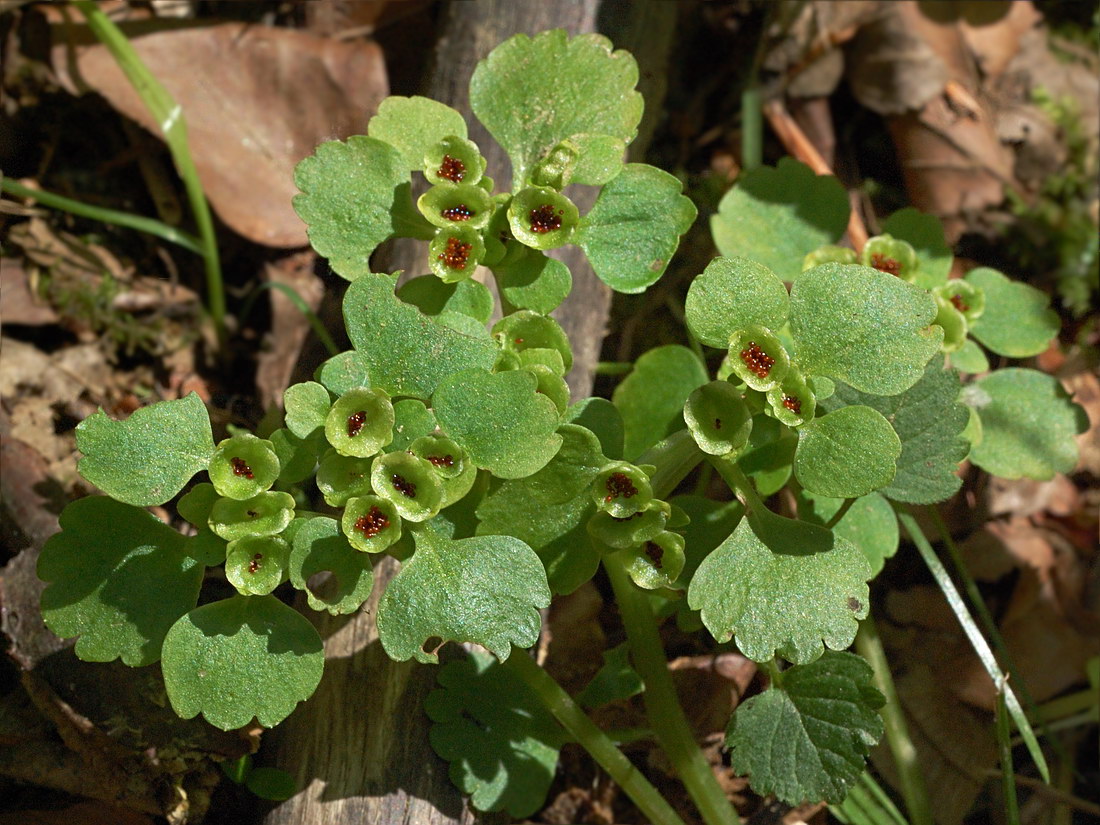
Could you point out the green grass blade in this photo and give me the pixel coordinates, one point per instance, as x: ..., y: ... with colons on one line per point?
x: 1004, y: 745
x: 104, y: 215
x: 299, y: 302
x: 977, y: 641
x: 169, y: 118
x: 867, y: 804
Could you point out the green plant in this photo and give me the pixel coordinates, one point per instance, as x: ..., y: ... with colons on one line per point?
x: 453, y: 447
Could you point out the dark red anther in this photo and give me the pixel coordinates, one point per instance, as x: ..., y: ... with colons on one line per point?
x: 655, y: 553
x: 792, y: 404
x: 718, y: 423
x: 959, y: 303
x: 371, y: 523
x: 241, y: 468
x: 254, y: 563
x: 403, y: 485
x: 884, y: 263
x: 441, y: 460
x: 544, y: 219
x: 355, y: 423
x: 759, y: 362
x: 452, y: 169
x: 456, y: 255
x: 619, y: 485
x: 458, y: 213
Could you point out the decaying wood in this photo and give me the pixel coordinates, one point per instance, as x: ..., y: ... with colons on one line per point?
x: 359, y: 747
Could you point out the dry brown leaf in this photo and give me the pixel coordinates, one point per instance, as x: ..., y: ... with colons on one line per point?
x: 18, y: 303
x: 994, y: 43
x: 256, y: 99
x: 1085, y: 388
x: 1026, y: 497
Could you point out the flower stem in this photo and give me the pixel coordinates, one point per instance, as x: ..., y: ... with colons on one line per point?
x: 663, y: 709
x: 649, y: 801
x: 901, y: 745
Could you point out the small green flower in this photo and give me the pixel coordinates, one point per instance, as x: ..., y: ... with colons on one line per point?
x: 410, y: 483
x: 525, y: 330
x: 621, y: 489
x: 454, y: 160
x: 542, y: 218
x: 621, y: 533
x: 890, y: 255
x: 340, y: 477
x: 551, y: 385
x: 658, y: 562
x: 718, y: 418
x: 265, y: 514
x: 955, y: 327
x: 455, y: 252
x: 829, y: 254
x: 447, y: 458
x: 371, y: 523
x: 243, y: 466
x: 456, y: 205
x: 360, y: 422
x: 793, y: 402
x: 758, y: 358
x: 256, y: 565
x: 964, y: 296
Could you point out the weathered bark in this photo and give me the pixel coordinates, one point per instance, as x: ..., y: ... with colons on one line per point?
x: 359, y: 747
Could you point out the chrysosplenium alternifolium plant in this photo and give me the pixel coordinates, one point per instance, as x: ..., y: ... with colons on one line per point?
x: 453, y: 446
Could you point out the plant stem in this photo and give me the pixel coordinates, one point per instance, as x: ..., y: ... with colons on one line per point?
x: 592, y: 739
x: 663, y: 709
x: 739, y: 483
x: 752, y: 127
x: 169, y: 117
x: 674, y: 458
x: 99, y: 213
x: 901, y: 745
x: 839, y: 514
x: 1004, y: 746
x: 614, y: 367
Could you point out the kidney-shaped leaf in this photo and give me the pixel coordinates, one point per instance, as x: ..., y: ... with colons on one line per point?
x: 870, y: 523
x: 351, y: 194
x: 486, y: 590
x: 549, y: 510
x: 413, y: 125
x: 731, y: 294
x: 1028, y: 425
x: 403, y: 350
x: 149, y: 457
x: 869, y: 329
x: 499, y: 738
x: 241, y: 658
x: 777, y: 216
x: 1018, y: 321
x: 118, y: 578
x: 846, y: 453
x: 782, y: 586
x: 505, y: 425
x: 929, y: 420
x: 320, y: 548
x: 635, y: 226
x: 809, y: 736
x: 651, y: 399
x: 532, y: 93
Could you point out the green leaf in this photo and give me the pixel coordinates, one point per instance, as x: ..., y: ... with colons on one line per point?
x: 1028, y: 424
x: 651, y: 399
x: 1018, y: 321
x: 925, y: 234
x: 782, y: 586
x: 864, y: 327
x: 807, y: 738
x: 769, y: 459
x: 320, y: 547
x: 846, y: 453
x: 589, y: 89
x: 118, y: 578
x: 711, y: 523
x: 505, y: 425
x: 869, y: 524
x: 549, y: 510
x: 929, y: 420
x: 604, y: 419
x: 405, y: 351
x: 413, y: 125
x: 433, y: 297
x: 635, y: 226
x: 732, y: 294
x: 486, y: 590
x: 412, y: 420
x: 615, y: 680
x: 148, y: 458
x: 971, y: 359
x: 241, y: 658
x: 271, y: 783
x: 531, y: 280
x: 343, y: 372
x: 501, y: 741
x: 777, y: 216
x: 351, y: 197
x: 297, y: 456
x: 306, y: 404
